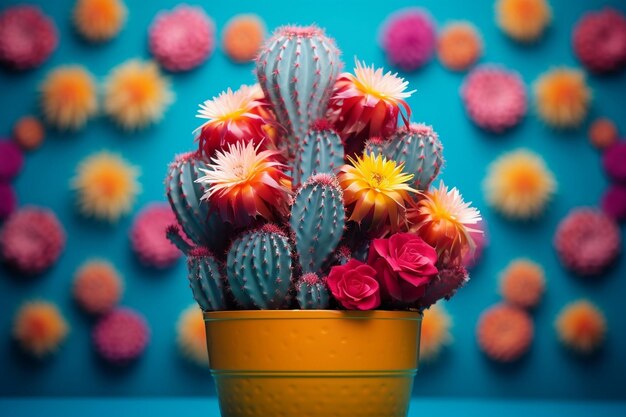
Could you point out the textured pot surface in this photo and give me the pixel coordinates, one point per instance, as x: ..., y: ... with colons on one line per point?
x: 310, y: 363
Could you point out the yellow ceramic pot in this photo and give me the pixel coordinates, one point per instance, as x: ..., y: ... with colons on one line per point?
x: 313, y: 363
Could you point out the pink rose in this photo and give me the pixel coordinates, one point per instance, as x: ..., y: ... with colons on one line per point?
x: 354, y: 285
x: 405, y: 264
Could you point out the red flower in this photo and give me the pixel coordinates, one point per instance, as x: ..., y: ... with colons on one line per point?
x: 354, y: 285
x: 405, y: 265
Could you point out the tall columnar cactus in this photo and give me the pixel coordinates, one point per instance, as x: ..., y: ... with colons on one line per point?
x: 312, y: 293
x: 297, y: 68
x: 418, y: 146
x: 259, y: 267
x: 203, y: 226
x: 317, y: 220
x: 206, y: 279
x: 320, y: 151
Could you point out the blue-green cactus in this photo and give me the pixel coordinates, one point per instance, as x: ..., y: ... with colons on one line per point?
x: 418, y: 147
x: 259, y: 268
x: 206, y: 279
x: 203, y: 226
x: 320, y: 151
x: 317, y: 220
x: 297, y: 68
x: 312, y: 293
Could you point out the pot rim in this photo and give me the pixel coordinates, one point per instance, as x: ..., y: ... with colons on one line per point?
x: 310, y: 314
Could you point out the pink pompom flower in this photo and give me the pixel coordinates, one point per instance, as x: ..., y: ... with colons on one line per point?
x: 494, y: 98
x: 27, y: 37
x: 121, y: 336
x: 147, y: 236
x: 11, y: 159
x: 587, y: 241
x: 600, y: 40
x: 32, y: 240
x: 182, y: 39
x: 408, y: 38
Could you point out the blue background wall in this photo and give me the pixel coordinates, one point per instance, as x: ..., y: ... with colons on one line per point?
x: 547, y: 371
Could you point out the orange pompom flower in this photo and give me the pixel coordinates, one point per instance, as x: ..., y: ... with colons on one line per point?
x: 436, y: 324
x: 242, y: 37
x: 523, y: 20
x: 39, y: 328
x: 191, y: 336
x: 136, y: 94
x: 602, y: 133
x: 99, y: 20
x: 367, y: 104
x: 562, y: 97
x: 106, y: 186
x: 504, y: 332
x: 446, y: 222
x: 68, y: 97
x: 28, y: 132
x: 245, y: 183
x: 581, y: 326
x: 97, y: 287
x: 459, y: 46
x: 233, y: 117
x: 376, y: 192
x: 522, y: 283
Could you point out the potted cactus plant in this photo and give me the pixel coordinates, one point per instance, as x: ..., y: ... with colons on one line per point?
x: 314, y: 234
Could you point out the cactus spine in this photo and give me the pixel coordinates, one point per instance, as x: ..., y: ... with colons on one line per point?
x: 259, y: 268
x: 317, y: 220
x: 205, y: 279
x: 297, y: 68
x: 312, y: 293
x: 418, y: 147
x: 203, y: 227
x: 320, y: 151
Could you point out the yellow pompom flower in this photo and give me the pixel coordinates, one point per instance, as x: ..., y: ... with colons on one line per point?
x: 191, y: 336
x: 136, y: 94
x: 436, y: 325
x: 562, y: 97
x: 69, y: 97
x: 99, y: 20
x: 376, y: 192
x: 523, y: 20
x: 519, y: 184
x: 106, y: 186
x: 581, y: 326
x: 39, y: 328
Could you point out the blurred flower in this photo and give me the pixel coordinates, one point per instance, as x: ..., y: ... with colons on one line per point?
x: 522, y: 283
x: 242, y: 37
x: 504, y: 332
x: 69, y: 97
x: 562, y: 97
x: 408, y: 38
x: 39, y: 328
x: 581, y: 326
x: 121, y: 336
x: 436, y: 323
x: 97, y: 287
x: 245, y: 184
x: 191, y: 336
x: 28, y: 133
x: 99, y: 20
x: 106, y: 186
x: 459, y: 46
x: 523, y: 20
x: 136, y: 94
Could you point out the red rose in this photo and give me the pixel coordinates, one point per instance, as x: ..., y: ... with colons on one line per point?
x: 354, y: 285
x: 405, y: 264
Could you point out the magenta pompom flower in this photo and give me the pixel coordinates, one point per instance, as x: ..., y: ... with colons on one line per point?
x: 147, y: 236
x: 613, y: 161
x: 600, y: 40
x: 32, y: 240
x: 494, y: 98
x: 27, y: 37
x: 182, y: 39
x: 11, y: 160
x: 121, y: 336
x: 614, y: 202
x: 408, y: 39
x: 587, y: 241
x: 8, y: 200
